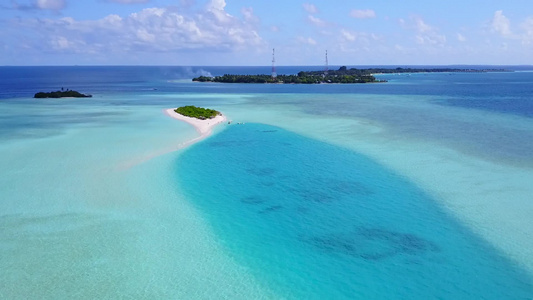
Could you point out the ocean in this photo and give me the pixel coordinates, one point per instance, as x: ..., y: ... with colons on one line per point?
x: 418, y: 188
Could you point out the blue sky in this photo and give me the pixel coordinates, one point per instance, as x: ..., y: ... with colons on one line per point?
x: 243, y: 32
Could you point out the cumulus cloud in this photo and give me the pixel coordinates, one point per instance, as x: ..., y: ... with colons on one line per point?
x: 151, y: 29
x: 216, y: 7
x: 348, y: 36
x: 310, y: 8
x: 500, y: 24
x: 433, y: 39
x: 425, y: 33
x: 362, y: 38
x: 249, y: 16
x: 60, y: 43
x: 421, y: 26
x: 362, y: 13
x: 316, y: 21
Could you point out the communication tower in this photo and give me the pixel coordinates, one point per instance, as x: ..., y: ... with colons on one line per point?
x: 327, y: 66
x: 274, y: 74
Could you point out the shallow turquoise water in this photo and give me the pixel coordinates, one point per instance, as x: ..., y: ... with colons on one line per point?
x: 97, y: 200
x: 89, y: 210
x: 318, y: 221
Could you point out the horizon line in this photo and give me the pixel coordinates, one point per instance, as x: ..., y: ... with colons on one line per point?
x: 340, y: 65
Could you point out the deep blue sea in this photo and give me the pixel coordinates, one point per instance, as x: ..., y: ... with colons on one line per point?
x: 418, y: 188
x: 508, y: 92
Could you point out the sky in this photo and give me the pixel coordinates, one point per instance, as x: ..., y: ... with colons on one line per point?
x: 244, y: 32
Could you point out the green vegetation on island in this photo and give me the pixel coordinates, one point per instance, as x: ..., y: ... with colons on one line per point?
x: 342, y: 75
x: 61, y: 94
x: 370, y: 71
x: 197, y: 112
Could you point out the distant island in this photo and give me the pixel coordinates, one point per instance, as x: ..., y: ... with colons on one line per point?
x: 197, y: 112
x: 61, y: 94
x: 342, y: 75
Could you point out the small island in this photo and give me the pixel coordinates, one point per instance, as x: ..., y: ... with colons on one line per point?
x: 342, y: 75
x: 203, y: 119
x: 197, y: 112
x: 61, y: 94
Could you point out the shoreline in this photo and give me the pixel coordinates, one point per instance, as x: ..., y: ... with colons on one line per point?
x: 203, y: 127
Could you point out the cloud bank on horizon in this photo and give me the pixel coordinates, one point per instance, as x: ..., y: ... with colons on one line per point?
x: 241, y: 32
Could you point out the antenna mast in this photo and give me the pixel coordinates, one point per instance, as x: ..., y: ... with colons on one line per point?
x: 327, y: 66
x: 274, y: 75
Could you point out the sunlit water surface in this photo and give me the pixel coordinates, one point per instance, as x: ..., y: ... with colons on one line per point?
x: 417, y: 188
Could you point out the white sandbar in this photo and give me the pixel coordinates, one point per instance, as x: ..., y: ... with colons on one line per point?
x: 204, y: 127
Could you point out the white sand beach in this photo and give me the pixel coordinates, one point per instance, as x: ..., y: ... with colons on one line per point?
x: 204, y: 127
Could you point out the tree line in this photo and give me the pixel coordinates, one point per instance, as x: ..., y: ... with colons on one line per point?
x: 342, y: 75
x: 197, y: 112
x: 61, y: 94
x: 301, y: 78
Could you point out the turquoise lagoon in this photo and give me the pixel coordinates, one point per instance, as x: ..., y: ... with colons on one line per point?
x: 418, y: 188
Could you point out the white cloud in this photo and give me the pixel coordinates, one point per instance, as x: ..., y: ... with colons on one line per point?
x: 60, y: 43
x: 38, y: 5
x: 128, y: 1
x: 151, y: 29
x: 362, y: 13
x: 361, y: 38
x: 113, y: 20
x: 501, y: 24
x: 308, y: 41
x: 432, y: 39
x: 316, y: 21
x: 51, y: 4
x: 348, y: 36
x: 310, y: 8
x: 217, y: 4
x: 145, y: 36
x: 421, y: 26
x: 527, y: 26
x: 248, y: 13
x: 216, y: 7
x: 402, y: 22
x: 461, y: 38
x: 425, y: 33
